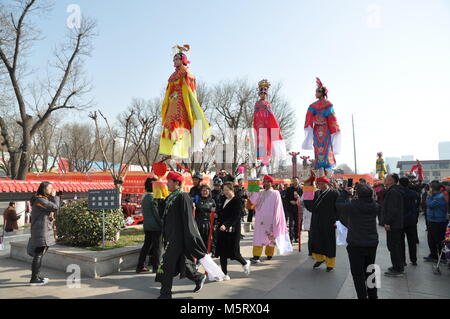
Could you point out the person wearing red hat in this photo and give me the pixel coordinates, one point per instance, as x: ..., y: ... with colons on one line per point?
x: 182, y: 240
x: 323, y: 224
x: 270, y: 223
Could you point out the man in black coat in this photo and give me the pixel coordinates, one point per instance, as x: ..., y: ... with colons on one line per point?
x: 393, y: 218
x: 182, y: 240
x: 411, y: 201
x: 292, y: 194
x: 360, y: 217
x: 323, y: 224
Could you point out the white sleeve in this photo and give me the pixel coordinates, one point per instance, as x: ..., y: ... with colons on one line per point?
x: 336, y: 142
x: 309, y: 136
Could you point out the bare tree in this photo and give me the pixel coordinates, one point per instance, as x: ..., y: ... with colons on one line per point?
x: 148, y: 114
x: 118, y: 166
x: 63, y: 89
x: 80, y: 146
x: 46, y: 147
x: 345, y: 169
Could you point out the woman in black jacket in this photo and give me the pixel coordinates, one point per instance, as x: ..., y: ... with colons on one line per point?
x: 203, y: 209
x: 360, y: 217
x: 229, y: 225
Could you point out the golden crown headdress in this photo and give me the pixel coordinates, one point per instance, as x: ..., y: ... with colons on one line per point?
x: 263, y: 85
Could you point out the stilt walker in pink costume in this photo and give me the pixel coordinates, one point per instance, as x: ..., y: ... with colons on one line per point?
x: 322, y: 131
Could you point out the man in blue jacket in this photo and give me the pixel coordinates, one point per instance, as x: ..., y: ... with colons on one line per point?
x: 437, y: 220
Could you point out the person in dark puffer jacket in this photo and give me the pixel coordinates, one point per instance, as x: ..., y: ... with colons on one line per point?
x: 360, y: 217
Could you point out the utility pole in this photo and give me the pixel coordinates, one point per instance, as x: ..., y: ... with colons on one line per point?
x: 354, y: 144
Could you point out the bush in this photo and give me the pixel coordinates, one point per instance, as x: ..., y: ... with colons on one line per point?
x: 78, y: 226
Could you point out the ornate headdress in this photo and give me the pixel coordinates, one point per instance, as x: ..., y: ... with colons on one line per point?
x: 321, y: 87
x: 181, y: 51
x: 263, y: 86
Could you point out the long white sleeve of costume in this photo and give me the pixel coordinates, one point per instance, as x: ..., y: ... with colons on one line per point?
x: 336, y: 142
x: 279, y: 149
x: 309, y: 136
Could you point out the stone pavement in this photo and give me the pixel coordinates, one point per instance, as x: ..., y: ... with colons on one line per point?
x: 285, y: 277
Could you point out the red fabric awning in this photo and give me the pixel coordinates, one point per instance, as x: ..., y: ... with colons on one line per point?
x: 9, y: 186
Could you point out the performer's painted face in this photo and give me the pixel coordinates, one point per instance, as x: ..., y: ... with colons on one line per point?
x: 263, y: 95
x: 177, y: 61
x: 318, y: 94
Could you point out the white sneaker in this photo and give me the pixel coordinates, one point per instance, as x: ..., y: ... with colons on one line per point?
x: 226, y: 278
x: 246, y: 267
x: 218, y: 279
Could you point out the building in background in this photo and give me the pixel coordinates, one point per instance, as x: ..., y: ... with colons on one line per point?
x: 444, y: 151
x: 406, y: 158
x: 391, y: 164
x: 432, y: 170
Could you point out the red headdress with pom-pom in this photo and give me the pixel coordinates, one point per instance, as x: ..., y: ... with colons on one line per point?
x: 320, y: 86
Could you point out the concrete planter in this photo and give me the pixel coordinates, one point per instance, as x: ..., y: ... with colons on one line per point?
x: 93, y: 264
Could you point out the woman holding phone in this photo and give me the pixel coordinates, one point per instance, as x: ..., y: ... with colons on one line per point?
x: 44, y: 205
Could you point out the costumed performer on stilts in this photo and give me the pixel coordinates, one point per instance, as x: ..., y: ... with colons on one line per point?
x: 322, y: 131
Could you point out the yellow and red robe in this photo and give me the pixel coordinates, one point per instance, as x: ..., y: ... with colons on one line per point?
x: 184, y: 124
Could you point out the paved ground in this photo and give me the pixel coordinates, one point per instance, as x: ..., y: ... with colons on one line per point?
x: 285, y: 277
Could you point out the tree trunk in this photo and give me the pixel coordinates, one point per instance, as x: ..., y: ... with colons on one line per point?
x: 25, y: 156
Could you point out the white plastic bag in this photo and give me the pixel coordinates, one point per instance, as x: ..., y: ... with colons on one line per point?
x: 341, y: 235
x: 284, y: 245
x: 215, y: 273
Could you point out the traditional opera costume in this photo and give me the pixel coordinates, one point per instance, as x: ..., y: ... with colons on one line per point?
x: 269, y: 141
x: 184, y: 124
x: 381, y: 167
x: 182, y: 243
x: 323, y: 225
x: 322, y: 131
x: 270, y: 223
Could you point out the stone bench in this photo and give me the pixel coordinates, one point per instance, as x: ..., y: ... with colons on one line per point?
x: 93, y: 264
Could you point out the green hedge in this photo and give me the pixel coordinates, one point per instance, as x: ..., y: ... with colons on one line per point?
x: 80, y: 227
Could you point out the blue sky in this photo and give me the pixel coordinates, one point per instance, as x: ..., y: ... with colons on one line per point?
x: 386, y: 62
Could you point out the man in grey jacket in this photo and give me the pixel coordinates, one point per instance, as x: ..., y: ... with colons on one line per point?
x: 393, y: 224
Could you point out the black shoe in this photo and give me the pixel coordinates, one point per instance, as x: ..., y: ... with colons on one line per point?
x: 165, y: 296
x: 317, y: 264
x: 255, y: 260
x: 199, y: 284
x: 393, y: 273
x: 414, y: 263
x: 269, y: 257
x: 38, y: 281
x: 329, y: 269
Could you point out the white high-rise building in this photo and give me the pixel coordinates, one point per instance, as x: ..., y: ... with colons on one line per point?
x: 444, y: 151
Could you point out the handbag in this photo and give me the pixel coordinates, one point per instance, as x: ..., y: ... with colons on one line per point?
x: 249, y: 205
x: 2, y: 239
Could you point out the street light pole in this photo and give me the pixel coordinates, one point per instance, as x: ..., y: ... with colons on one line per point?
x: 354, y: 145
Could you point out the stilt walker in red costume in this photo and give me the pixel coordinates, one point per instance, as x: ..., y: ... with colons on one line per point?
x: 269, y: 141
x: 322, y: 131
